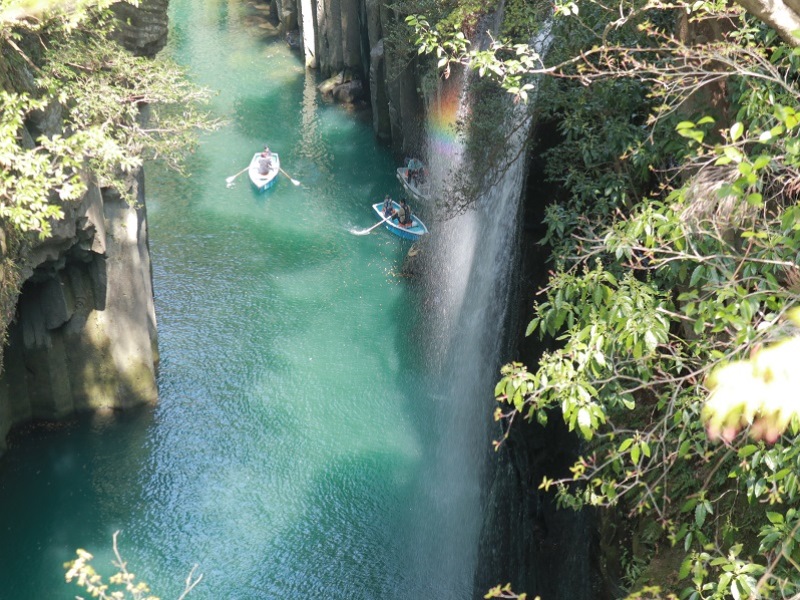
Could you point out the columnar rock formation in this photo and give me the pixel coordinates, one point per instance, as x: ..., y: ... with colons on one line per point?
x: 142, y: 29
x: 349, y: 38
x: 84, y: 333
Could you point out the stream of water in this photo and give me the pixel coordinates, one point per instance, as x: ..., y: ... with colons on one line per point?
x: 306, y: 443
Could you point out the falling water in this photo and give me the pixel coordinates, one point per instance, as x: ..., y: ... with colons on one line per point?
x: 471, y: 283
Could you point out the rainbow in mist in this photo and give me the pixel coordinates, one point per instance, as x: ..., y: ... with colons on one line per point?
x: 442, y: 124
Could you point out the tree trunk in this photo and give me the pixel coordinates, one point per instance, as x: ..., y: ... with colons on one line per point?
x: 783, y: 17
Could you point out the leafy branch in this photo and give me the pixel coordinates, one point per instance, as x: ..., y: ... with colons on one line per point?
x: 122, y: 585
x: 115, y: 110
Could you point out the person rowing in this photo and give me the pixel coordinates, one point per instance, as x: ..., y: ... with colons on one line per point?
x: 265, y: 161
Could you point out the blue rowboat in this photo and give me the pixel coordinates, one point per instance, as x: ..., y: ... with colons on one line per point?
x: 266, y: 181
x: 414, y: 232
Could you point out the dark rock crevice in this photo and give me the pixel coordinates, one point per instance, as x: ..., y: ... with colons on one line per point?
x: 526, y: 540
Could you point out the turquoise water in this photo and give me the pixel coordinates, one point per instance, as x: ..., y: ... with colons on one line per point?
x: 302, y: 445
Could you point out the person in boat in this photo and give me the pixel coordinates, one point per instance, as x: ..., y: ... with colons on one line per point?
x: 388, y: 208
x: 403, y: 214
x: 414, y: 172
x: 265, y: 161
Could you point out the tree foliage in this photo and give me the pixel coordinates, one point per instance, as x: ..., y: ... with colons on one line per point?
x: 105, y: 111
x: 674, y: 275
x: 122, y: 585
x: 758, y: 393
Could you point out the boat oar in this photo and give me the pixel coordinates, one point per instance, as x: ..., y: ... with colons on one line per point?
x: 294, y: 181
x: 229, y: 180
x: 366, y: 231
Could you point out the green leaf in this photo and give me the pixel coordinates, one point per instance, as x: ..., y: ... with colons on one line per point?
x: 694, y: 134
x: 782, y: 474
x: 532, y: 326
x: 686, y: 568
x: 700, y: 514
x: 650, y: 340
x: 684, y: 448
x: 724, y: 579
x: 498, y: 389
x: 775, y: 518
x: 755, y: 199
x: 646, y: 449
x: 600, y: 358
x: 733, y: 153
x: 735, y: 592
x: 736, y: 131
x: 746, y: 451
x: 761, y: 162
x: 519, y: 401
x: 697, y: 275
x: 698, y: 326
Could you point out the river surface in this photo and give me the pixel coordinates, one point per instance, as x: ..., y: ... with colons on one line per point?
x: 303, y: 445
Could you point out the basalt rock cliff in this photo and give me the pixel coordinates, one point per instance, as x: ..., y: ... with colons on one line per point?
x: 351, y: 39
x: 83, y: 334
x: 142, y: 28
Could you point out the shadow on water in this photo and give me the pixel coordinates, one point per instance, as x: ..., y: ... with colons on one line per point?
x: 76, y: 469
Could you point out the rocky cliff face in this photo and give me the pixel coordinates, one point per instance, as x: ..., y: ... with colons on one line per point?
x: 348, y: 38
x: 142, y: 29
x: 83, y: 334
x: 526, y: 540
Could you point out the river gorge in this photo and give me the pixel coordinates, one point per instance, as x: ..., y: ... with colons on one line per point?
x: 323, y: 425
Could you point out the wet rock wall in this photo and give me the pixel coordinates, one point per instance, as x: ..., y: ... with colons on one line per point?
x: 351, y: 39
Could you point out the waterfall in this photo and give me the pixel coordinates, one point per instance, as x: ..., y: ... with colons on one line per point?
x: 308, y: 33
x: 470, y: 286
